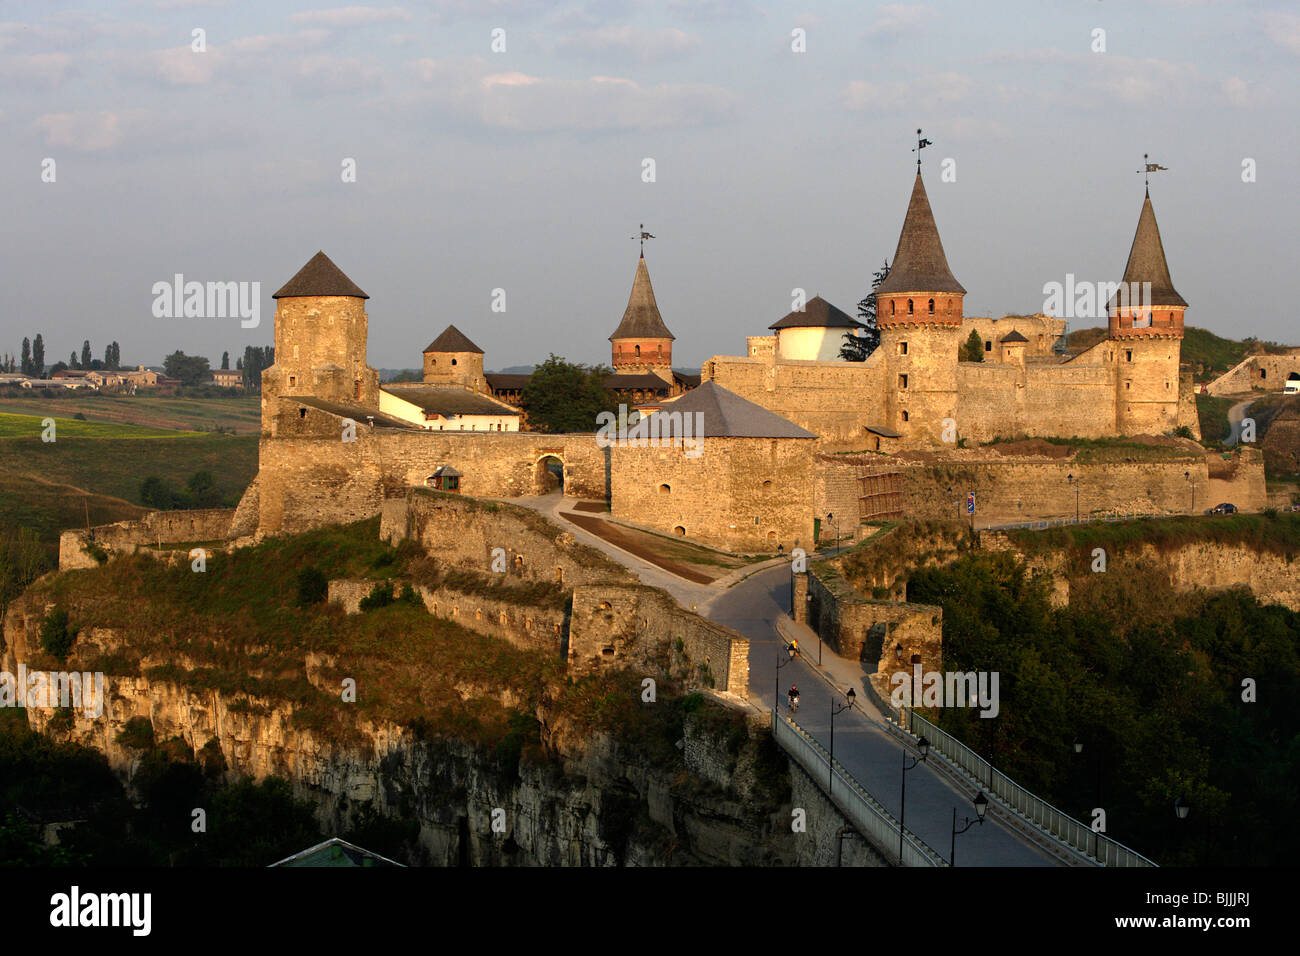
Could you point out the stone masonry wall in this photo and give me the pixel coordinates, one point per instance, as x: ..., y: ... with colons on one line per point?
x: 629, y: 625
x: 530, y: 628
x: 1245, y: 375
x: 308, y: 476
x: 741, y: 494
x: 463, y: 532
x: 125, y: 537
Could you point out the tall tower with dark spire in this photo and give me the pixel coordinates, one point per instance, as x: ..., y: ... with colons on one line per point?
x: 642, y: 343
x: 919, y: 314
x: 320, y: 342
x: 1146, y: 329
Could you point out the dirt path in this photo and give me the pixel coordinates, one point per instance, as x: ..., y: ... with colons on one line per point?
x: 611, y: 533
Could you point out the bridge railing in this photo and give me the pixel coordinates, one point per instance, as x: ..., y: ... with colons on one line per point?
x: 1031, y: 808
x: 868, y: 816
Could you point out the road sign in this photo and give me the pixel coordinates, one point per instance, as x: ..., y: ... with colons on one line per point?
x: 970, y: 503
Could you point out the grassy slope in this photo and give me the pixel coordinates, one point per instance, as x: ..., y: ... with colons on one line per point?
x: 49, y: 486
x: 1209, y: 355
x: 1278, y: 534
x: 239, y: 631
x: 202, y: 414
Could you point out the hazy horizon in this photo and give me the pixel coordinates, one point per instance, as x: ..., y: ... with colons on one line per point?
x: 522, y: 170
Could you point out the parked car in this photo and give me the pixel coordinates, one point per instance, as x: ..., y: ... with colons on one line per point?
x: 1223, y: 509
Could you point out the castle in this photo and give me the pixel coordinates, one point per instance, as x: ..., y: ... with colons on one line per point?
x: 914, y: 391
x: 336, y: 444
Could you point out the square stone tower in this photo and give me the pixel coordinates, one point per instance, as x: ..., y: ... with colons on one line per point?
x: 919, y: 314
x: 1146, y: 328
x: 320, y: 342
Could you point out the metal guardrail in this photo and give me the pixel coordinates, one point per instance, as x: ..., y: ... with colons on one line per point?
x: 868, y: 816
x: 1034, y: 810
x: 1044, y: 523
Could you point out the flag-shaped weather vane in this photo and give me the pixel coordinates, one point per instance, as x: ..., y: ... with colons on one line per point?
x: 921, y: 143
x: 1149, y: 168
x: 643, y: 237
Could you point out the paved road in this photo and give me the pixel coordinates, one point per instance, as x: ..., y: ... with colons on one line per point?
x: 1235, y: 414
x: 870, y: 753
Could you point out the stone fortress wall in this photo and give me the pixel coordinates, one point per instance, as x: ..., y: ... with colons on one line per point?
x: 1017, y: 488
x: 1268, y: 372
x: 309, y: 476
x: 739, y: 494
x: 155, y: 528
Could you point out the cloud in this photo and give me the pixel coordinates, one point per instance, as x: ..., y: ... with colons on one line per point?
x: 896, y: 19
x: 322, y: 74
x: 520, y: 101
x: 87, y: 131
x: 628, y: 42
x: 928, y: 92
x: 1283, y: 29
x: 351, y: 16
x: 39, y: 69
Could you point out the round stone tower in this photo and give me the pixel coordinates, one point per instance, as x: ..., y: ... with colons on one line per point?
x: 1146, y: 326
x: 452, y: 359
x: 642, y: 343
x: 320, y: 342
x: 919, y: 314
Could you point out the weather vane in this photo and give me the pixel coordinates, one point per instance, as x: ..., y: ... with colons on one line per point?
x: 643, y: 237
x: 1150, y: 168
x: 921, y: 144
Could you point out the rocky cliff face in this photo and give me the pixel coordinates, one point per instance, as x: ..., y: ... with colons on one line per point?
x: 727, y: 799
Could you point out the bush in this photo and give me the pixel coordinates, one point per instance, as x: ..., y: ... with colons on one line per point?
x: 138, y: 733
x: 56, y: 634
x: 380, y: 596
x: 312, y: 586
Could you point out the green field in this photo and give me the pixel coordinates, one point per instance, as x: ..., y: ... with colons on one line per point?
x: 242, y: 415
x: 93, y: 471
x: 31, y: 426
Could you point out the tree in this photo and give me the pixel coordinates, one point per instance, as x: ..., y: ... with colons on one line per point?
x: 85, y: 354
x: 38, y: 356
x: 256, y: 358
x: 189, y: 369
x: 56, y: 634
x: 562, y: 396
x: 72, y: 359
x: 973, y: 350
x: 113, y: 356
x: 57, y: 367
x: 859, y: 343
x: 27, y: 356
x: 225, y: 360
x: 202, y: 490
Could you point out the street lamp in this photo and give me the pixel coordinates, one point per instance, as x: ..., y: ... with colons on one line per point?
x: 1070, y: 479
x: 1096, y: 843
x: 776, y: 696
x: 981, y: 808
x: 1181, y: 808
x: 923, y: 746
x: 1188, y: 476
x: 850, y: 695
x: 830, y: 516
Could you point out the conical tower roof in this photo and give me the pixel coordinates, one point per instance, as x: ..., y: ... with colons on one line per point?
x: 1146, y: 260
x: 452, y: 339
x: 320, y: 276
x: 641, y: 320
x: 919, y: 263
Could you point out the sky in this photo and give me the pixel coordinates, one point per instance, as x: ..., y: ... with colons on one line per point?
x: 522, y: 169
